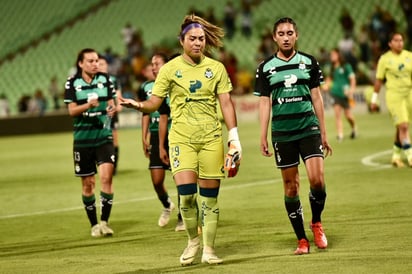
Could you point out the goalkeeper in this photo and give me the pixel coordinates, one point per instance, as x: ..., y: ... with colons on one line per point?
x: 195, y: 83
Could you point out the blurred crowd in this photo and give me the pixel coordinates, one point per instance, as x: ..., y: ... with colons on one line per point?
x: 360, y: 45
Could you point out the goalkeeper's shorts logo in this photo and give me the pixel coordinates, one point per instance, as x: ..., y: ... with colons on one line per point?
x: 176, y: 162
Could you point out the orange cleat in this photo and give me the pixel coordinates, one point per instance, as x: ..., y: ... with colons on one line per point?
x: 319, y: 235
x: 303, y: 247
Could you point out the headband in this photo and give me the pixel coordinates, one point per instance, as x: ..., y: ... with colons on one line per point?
x: 188, y: 27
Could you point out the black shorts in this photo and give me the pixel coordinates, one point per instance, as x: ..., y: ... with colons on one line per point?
x: 86, y: 158
x: 287, y: 153
x: 155, y: 161
x: 343, y: 102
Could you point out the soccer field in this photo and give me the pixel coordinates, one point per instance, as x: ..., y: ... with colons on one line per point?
x: 44, y: 229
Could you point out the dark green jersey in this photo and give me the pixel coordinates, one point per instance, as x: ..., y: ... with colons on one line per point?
x: 88, y: 128
x: 144, y: 93
x: 115, y: 83
x: 341, y: 80
x: 288, y: 83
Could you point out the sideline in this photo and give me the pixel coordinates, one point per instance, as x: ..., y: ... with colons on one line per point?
x: 369, y: 160
x: 223, y: 188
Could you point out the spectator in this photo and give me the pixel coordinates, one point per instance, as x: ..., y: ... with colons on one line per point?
x: 246, y: 21
x: 23, y: 104
x: 210, y: 16
x: 230, y: 62
x: 347, y: 23
x: 37, y: 104
x: 127, y: 33
x: 346, y: 46
x: 364, y: 47
x: 4, y: 106
x: 406, y: 6
x: 244, y: 82
x: 54, y: 91
x: 266, y: 46
x: 229, y: 19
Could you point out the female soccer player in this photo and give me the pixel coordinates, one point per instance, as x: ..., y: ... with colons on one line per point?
x: 155, y: 143
x: 90, y: 97
x: 395, y: 66
x: 193, y: 81
x: 341, y: 83
x: 104, y: 68
x: 288, y: 86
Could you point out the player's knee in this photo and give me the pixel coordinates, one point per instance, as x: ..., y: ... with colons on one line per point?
x: 187, y: 194
x: 209, y: 192
x: 317, y: 183
x: 88, y: 184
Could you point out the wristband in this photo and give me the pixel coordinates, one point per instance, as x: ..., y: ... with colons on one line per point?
x: 374, y: 99
x: 233, y: 134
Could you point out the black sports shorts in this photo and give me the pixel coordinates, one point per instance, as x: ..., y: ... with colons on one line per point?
x: 287, y: 154
x: 155, y: 161
x: 86, y: 158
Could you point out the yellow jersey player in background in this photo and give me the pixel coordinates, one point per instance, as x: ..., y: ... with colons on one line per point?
x: 195, y: 84
x: 395, y: 67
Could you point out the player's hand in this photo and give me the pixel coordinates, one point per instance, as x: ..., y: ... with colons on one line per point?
x: 146, y: 149
x: 264, y: 149
x: 327, y: 149
x: 374, y: 107
x: 164, y: 156
x: 232, y: 162
x: 111, y: 110
x: 234, y: 155
x: 130, y: 103
x: 92, y: 100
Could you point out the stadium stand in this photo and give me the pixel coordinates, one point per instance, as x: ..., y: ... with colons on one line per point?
x: 159, y: 20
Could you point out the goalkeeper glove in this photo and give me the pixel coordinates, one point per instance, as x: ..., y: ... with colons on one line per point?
x: 234, y: 155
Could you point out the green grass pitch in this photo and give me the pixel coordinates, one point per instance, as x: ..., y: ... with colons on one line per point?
x: 368, y: 221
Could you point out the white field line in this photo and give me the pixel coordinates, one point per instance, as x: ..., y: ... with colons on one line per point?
x: 369, y: 160
x: 224, y: 187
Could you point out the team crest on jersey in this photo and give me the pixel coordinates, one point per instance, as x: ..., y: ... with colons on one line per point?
x: 78, y: 88
x: 178, y: 74
x: 208, y: 73
x: 302, y: 65
x: 100, y: 85
x: 176, y: 163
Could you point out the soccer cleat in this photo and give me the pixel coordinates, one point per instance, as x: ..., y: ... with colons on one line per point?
x: 95, y: 231
x: 105, y: 229
x: 211, y: 258
x: 165, y: 215
x: 410, y: 162
x: 318, y: 235
x: 353, y: 134
x: 408, y: 154
x: 397, y: 162
x: 180, y: 226
x: 189, y: 254
x: 303, y: 247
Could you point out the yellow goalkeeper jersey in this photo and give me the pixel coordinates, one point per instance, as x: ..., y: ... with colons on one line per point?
x: 193, y: 104
x: 397, y: 70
